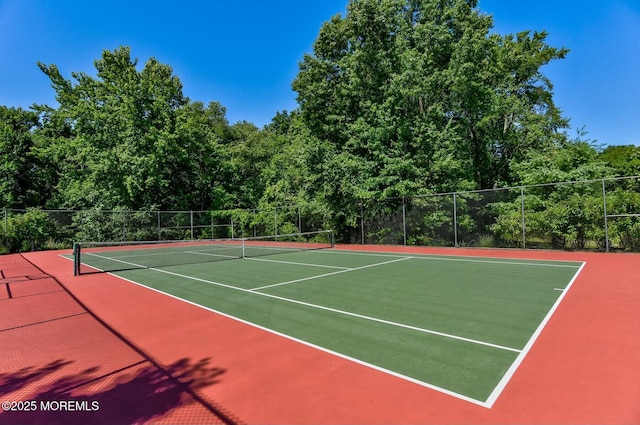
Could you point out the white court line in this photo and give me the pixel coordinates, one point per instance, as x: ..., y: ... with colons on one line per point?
x: 329, y: 274
x: 435, y: 257
x: 296, y: 263
x: 209, y: 254
x: 317, y: 347
x: 515, y: 263
x: 514, y: 366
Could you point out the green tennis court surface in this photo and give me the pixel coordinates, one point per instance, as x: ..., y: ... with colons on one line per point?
x: 460, y: 325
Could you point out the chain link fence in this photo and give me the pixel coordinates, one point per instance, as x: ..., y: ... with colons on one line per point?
x: 67, y: 226
x: 591, y: 214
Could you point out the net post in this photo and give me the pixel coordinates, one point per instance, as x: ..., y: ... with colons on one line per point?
x: 76, y: 259
x: 243, y: 254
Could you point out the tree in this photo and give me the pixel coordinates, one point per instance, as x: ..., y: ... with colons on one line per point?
x: 248, y: 153
x: 567, y: 215
x: 569, y: 160
x: 22, y: 180
x: 202, y: 170
x: 624, y: 159
x: 29, y: 231
x: 115, y: 141
x: 417, y: 95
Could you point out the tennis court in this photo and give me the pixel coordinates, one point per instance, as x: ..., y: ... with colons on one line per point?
x: 460, y: 325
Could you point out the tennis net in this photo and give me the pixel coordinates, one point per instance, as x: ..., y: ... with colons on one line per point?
x: 96, y: 257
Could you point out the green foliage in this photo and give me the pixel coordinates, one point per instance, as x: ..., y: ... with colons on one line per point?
x: 287, y: 228
x: 403, y: 85
x: 486, y: 241
x: 564, y: 216
x: 98, y: 226
x: 571, y: 160
x: 624, y: 231
x: 508, y: 224
x: 557, y: 216
x: 570, y: 223
x: 415, y: 96
x: 23, y: 179
x: 430, y: 220
x: 625, y: 160
x: 29, y: 231
x: 130, y: 138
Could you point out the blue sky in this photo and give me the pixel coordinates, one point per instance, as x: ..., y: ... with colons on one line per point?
x: 245, y: 54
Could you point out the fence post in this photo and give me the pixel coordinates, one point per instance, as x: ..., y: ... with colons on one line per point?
x: 5, y: 222
x: 455, y: 221
x: 232, y: 236
x: 404, y: 221
x: 362, y: 221
x: 191, y: 219
x: 124, y: 226
x: 606, y: 223
x: 524, y: 233
x: 275, y: 221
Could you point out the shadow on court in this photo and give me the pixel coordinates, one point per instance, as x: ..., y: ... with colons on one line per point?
x: 63, y: 365
x: 140, y: 393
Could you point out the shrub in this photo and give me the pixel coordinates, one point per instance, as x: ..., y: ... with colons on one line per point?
x: 486, y: 241
x: 29, y: 231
